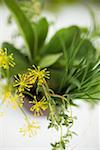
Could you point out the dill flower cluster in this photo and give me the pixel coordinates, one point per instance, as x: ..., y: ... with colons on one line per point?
x: 17, y: 100
x: 24, y: 82
x: 7, y: 93
x: 15, y: 97
x: 9, y: 97
x: 28, y: 79
x: 15, y: 94
x: 29, y: 128
x: 6, y: 61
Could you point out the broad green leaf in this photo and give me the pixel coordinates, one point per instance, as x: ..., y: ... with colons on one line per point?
x: 21, y: 61
x: 66, y: 35
x: 49, y: 60
x: 42, y: 30
x: 23, y: 24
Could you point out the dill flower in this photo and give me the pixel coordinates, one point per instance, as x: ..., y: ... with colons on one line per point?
x: 6, y: 60
x: 5, y: 93
x: 27, y: 80
x: 39, y: 75
x: 38, y: 106
x: 24, y: 81
x: 9, y: 97
x: 29, y: 129
x: 17, y: 100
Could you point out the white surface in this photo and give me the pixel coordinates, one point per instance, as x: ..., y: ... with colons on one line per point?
x: 88, y: 123
x: 87, y: 126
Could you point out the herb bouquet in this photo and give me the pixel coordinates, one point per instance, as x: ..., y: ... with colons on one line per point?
x: 49, y: 76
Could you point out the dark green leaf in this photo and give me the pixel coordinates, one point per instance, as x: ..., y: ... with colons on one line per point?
x: 86, y: 50
x: 24, y: 25
x: 42, y: 30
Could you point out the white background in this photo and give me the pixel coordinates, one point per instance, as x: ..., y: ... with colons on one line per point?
x: 87, y: 124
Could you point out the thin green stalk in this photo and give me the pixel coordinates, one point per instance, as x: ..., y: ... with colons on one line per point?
x: 25, y: 115
x: 92, y: 17
x: 29, y: 94
x: 75, y: 52
x: 61, y: 134
x: 8, y: 76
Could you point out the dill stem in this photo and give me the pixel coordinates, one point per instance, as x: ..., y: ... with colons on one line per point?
x: 61, y: 134
x: 58, y: 96
x: 29, y: 94
x: 25, y: 115
x: 7, y: 72
x: 47, y: 94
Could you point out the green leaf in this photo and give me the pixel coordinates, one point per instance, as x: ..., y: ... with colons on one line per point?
x: 42, y: 30
x: 21, y: 61
x: 49, y: 60
x: 23, y: 24
x: 66, y: 35
x: 86, y: 50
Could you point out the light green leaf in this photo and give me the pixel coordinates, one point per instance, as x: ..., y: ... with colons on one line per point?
x: 24, y: 25
x: 49, y: 60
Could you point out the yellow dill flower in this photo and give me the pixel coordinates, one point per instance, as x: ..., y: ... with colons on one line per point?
x: 24, y: 81
x: 39, y: 74
x: 11, y: 98
x: 17, y: 100
x: 6, y: 60
x: 6, y: 93
x: 29, y: 129
x: 38, y: 106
